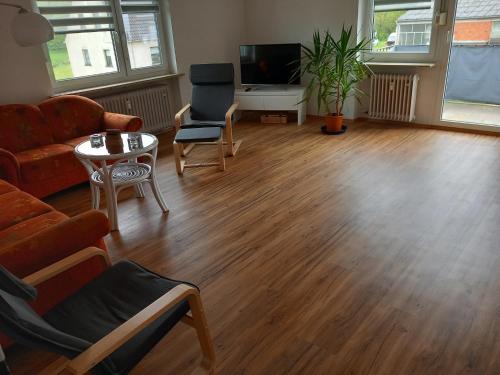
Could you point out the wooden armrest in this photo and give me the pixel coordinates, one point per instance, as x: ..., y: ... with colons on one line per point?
x: 178, y: 116
x: 119, y: 336
x: 230, y: 112
x: 65, y: 264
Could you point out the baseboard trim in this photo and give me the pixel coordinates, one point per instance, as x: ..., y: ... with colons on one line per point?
x: 429, y: 126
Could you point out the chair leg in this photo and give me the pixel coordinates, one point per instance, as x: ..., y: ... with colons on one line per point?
x: 222, y: 160
x: 229, y: 139
x: 201, y: 326
x: 185, y: 150
x: 178, y: 162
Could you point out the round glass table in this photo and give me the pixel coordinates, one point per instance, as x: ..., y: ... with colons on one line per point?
x: 117, y: 161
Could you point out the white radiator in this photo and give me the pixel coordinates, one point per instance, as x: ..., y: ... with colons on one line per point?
x: 152, y: 105
x: 393, y: 97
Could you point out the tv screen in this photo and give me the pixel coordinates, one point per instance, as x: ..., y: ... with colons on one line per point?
x: 270, y: 64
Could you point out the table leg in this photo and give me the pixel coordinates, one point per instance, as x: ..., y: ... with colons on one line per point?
x: 139, y: 191
x: 109, y: 189
x: 96, y: 196
x: 154, y: 184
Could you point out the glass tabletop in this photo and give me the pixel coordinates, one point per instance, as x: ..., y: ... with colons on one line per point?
x: 116, y: 146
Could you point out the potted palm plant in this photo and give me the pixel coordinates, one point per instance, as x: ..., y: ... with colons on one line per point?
x: 335, y: 70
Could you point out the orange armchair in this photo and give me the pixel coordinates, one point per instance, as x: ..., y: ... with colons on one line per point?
x: 37, y: 142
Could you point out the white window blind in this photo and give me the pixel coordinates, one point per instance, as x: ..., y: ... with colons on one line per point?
x: 78, y: 15
x: 393, y: 5
x: 135, y: 6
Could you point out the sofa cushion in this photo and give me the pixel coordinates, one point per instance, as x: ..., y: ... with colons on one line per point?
x: 76, y: 141
x: 28, y: 227
x: 72, y: 116
x: 23, y: 127
x: 5, y: 187
x: 47, y: 162
x: 21, y: 206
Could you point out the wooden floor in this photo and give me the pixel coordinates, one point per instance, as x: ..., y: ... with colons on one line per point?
x: 376, y: 252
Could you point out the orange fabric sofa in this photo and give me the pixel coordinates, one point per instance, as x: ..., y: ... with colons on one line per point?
x: 33, y: 235
x: 37, y: 142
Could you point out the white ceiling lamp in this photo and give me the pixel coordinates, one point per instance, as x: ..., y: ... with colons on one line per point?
x: 29, y: 28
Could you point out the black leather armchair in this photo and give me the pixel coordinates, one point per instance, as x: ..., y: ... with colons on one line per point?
x: 212, y: 103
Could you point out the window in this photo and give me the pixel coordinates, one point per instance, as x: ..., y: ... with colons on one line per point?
x: 155, y: 55
x: 108, y: 60
x: 87, y: 29
x: 495, y: 32
x: 403, y: 26
x: 86, y: 57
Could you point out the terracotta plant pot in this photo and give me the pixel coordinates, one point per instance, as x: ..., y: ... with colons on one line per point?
x: 334, y: 123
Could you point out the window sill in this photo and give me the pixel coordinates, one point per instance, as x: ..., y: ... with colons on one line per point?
x: 403, y: 64
x: 97, y: 91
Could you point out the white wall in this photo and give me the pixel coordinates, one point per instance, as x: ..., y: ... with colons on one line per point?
x: 23, y: 75
x: 292, y: 21
x: 206, y: 32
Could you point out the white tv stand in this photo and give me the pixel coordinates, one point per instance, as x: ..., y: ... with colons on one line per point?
x: 273, y: 99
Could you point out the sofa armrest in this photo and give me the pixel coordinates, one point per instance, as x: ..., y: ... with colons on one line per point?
x: 124, y: 123
x: 54, y: 243
x: 9, y: 167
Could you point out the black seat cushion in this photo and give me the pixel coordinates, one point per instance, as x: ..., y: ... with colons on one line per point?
x: 107, y: 302
x: 210, y: 134
x: 213, y: 91
x: 211, y: 74
x: 192, y: 124
x: 21, y: 323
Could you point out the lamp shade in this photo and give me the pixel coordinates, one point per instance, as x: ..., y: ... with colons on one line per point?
x: 29, y: 29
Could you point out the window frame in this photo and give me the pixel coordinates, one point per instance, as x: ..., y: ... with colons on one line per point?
x: 494, y: 39
x: 367, y: 30
x: 124, y: 73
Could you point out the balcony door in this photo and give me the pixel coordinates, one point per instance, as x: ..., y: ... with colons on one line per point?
x: 472, y: 84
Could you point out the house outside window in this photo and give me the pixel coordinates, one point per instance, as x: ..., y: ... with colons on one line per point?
x: 95, y: 26
x: 495, y: 32
x: 108, y: 59
x: 155, y: 55
x: 400, y: 30
x: 142, y: 35
x: 86, y: 57
x: 404, y: 26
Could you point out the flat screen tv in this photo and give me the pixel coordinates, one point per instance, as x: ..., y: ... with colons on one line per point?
x: 270, y: 64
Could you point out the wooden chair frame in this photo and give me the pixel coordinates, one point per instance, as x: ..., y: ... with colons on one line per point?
x: 180, y: 164
x: 233, y: 145
x: 84, y: 362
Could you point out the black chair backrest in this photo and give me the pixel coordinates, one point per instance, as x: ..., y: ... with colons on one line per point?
x: 22, y: 324
x: 213, y: 91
